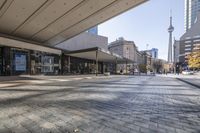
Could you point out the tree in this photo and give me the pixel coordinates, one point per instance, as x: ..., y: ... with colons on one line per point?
x: 194, y: 58
x: 143, y: 68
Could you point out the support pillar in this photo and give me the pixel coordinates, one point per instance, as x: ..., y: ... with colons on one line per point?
x: 69, y: 65
x: 103, y: 68
x: 116, y: 66
x: 61, y: 64
x: 96, y: 62
x: 126, y: 68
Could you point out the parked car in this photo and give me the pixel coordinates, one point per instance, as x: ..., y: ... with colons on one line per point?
x: 187, y: 72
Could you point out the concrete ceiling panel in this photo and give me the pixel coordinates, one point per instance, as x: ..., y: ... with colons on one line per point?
x: 76, y: 15
x: 50, y: 14
x: 50, y: 22
x: 17, y: 12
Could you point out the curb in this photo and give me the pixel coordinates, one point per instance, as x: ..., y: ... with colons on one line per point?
x: 195, y: 85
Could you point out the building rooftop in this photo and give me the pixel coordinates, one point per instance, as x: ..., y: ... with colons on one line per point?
x: 121, y: 41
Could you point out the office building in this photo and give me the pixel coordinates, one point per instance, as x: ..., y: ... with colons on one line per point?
x: 192, y: 7
x: 189, y: 41
x: 176, y: 50
x: 153, y: 52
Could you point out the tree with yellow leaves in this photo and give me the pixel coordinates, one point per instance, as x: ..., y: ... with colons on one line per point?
x: 194, y: 58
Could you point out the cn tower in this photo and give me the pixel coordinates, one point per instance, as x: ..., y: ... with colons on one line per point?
x: 170, y: 30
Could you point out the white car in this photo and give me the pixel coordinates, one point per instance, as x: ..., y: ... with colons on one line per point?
x: 187, y: 72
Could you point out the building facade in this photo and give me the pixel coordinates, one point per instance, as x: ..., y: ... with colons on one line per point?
x: 125, y: 49
x: 84, y: 40
x: 189, y: 41
x: 176, y: 50
x: 20, y: 57
x: 146, y: 61
x: 187, y: 45
x: 192, y: 8
x: 153, y: 52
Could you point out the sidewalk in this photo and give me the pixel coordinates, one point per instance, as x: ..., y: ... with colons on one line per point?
x: 193, y: 80
x: 8, y: 81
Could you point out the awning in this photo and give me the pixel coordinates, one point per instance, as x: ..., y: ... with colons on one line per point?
x: 103, y: 55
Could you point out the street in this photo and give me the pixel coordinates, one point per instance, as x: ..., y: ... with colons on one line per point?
x: 118, y: 104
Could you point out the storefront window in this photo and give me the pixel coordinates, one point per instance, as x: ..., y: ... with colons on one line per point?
x: 84, y: 66
x: 47, y: 64
x: 20, y: 62
x: 44, y: 63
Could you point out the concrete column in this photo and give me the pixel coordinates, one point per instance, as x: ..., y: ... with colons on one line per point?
x: 126, y: 68
x: 61, y: 64
x: 116, y: 66
x: 103, y: 68
x: 69, y: 63
x: 29, y: 62
x: 96, y: 62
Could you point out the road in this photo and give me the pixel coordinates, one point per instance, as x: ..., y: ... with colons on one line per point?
x: 121, y: 104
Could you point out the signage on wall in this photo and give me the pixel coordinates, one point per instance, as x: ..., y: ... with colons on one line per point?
x: 20, y: 62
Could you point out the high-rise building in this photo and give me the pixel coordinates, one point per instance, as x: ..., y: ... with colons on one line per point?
x: 192, y: 7
x: 189, y: 41
x: 153, y: 52
x: 176, y: 50
x: 170, y: 30
x: 93, y: 30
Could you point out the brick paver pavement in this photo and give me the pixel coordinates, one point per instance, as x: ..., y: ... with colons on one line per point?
x: 114, y: 105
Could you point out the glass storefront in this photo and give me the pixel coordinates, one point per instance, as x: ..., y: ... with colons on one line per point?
x: 19, y: 61
x: 44, y: 63
x: 73, y: 65
x: 14, y: 61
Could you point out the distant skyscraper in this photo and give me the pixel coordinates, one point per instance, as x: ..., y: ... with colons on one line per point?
x: 192, y: 7
x: 153, y: 52
x: 170, y: 30
x: 93, y: 30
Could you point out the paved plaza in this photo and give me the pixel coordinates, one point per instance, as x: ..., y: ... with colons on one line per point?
x: 116, y: 104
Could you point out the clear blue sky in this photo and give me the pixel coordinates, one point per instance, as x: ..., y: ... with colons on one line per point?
x: 147, y: 24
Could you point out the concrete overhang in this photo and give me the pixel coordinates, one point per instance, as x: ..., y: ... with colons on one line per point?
x: 51, y: 22
x: 14, y: 43
x: 103, y: 55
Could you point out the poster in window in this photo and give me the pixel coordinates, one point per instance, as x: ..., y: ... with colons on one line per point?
x: 20, y: 62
